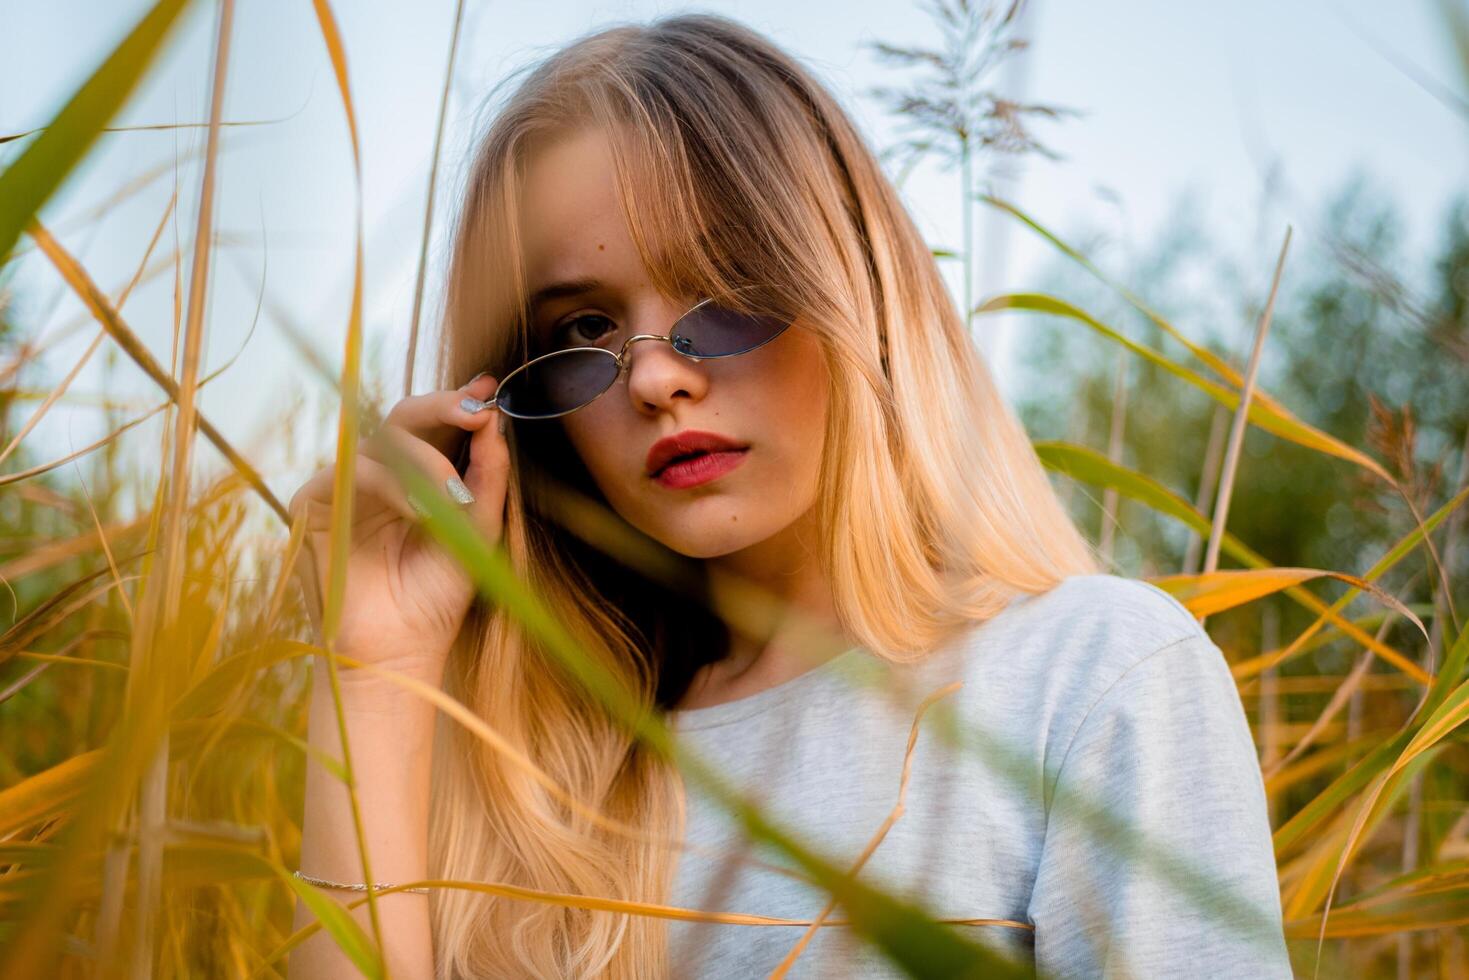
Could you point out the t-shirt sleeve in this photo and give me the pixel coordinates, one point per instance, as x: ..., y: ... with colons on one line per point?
x: 1157, y: 860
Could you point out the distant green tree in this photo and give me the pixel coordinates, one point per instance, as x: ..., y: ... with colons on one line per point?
x: 1376, y: 359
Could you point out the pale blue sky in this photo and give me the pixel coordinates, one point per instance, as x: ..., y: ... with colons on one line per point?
x: 1176, y: 95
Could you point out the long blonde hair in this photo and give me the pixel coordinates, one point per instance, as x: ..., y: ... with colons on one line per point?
x: 734, y: 166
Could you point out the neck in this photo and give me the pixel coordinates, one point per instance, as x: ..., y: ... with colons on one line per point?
x: 802, y: 632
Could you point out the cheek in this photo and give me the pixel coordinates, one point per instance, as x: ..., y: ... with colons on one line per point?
x: 789, y: 401
x: 599, y: 446
x: 800, y: 391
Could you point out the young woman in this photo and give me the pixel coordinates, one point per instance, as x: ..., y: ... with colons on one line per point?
x: 749, y: 356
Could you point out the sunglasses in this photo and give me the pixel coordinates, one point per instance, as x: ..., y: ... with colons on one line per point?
x: 562, y: 381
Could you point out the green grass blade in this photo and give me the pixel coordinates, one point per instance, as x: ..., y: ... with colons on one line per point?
x: 29, y: 182
x: 343, y: 928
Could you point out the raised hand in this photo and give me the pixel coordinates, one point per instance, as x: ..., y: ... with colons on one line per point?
x: 406, y: 598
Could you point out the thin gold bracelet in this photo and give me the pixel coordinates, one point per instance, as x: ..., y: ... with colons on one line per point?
x: 343, y: 886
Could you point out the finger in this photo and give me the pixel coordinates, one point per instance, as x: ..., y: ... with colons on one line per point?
x: 315, y: 491
x: 376, y: 484
x: 393, y: 447
x: 487, y: 477
x: 441, y: 417
x: 374, y: 487
x: 480, y: 386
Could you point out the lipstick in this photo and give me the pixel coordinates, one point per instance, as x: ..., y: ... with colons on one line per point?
x: 692, y: 457
x: 699, y: 469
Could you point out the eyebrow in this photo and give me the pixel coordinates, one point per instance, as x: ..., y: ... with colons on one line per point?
x: 563, y: 290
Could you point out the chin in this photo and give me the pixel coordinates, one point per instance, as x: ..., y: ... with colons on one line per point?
x: 705, y: 545
x: 705, y: 536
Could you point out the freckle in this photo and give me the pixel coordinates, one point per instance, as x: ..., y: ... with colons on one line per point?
x: 601, y: 247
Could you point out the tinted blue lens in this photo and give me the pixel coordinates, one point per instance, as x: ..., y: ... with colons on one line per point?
x: 713, y: 331
x: 564, y: 381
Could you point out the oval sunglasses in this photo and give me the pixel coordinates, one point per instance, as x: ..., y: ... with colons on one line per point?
x: 561, y: 381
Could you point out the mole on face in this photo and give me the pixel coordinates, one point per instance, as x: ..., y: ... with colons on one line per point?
x: 601, y: 247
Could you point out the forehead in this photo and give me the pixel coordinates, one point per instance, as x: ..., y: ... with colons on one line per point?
x: 571, y: 217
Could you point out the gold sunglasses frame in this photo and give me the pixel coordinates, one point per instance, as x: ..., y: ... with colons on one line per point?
x: 620, y: 358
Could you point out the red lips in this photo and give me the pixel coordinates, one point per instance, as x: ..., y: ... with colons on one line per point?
x: 669, y: 448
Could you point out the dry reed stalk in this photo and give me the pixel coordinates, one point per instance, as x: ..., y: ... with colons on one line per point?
x: 1110, y: 497
x: 60, y: 389
x: 153, y: 798
x: 120, y: 332
x: 428, y: 208
x: 877, y: 838
x: 1341, y: 697
x: 1208, y: 481
x: 340, y: 535
x: 34, y: 348
x: 1441, y: 601
x: 1269, y: 731
x: 1237, y: 429
x: 596, y: 903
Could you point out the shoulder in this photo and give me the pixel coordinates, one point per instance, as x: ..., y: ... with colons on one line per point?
x: 1125, y: 608
x: 1098, y: 628
x: 1095, y: 627
x: 1043, y: 664
x: 1152, y: 752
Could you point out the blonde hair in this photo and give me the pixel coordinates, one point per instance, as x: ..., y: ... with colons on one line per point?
x: 934, y: 509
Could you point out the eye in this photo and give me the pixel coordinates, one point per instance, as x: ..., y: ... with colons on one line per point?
x: 581, y: 331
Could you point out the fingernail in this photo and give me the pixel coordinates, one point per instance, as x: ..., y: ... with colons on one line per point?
x: 418, y: 508
x: 472, y: 405
x: 458, y: 490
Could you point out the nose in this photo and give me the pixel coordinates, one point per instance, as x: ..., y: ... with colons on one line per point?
x: 658, y: 375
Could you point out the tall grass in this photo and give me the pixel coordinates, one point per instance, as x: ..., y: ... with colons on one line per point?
x: 152, y: 700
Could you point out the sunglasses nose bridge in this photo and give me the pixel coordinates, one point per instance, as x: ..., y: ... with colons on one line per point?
x: 624, y: 363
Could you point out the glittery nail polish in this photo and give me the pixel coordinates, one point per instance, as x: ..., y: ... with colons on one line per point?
x: 472, y: 405
x: 458, y: 491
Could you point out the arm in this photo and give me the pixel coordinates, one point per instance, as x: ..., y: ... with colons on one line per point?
x: 403, y: 605
x: 1157, y: 859
x: 392, y: 743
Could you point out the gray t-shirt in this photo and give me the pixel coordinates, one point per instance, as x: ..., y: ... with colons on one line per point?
x: 1106, y: 792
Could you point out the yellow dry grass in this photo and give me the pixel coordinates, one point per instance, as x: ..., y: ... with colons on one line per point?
x: 154, y: 681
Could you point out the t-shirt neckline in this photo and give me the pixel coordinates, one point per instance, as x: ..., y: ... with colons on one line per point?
x: 694, y: 719
x: 697, y: 719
